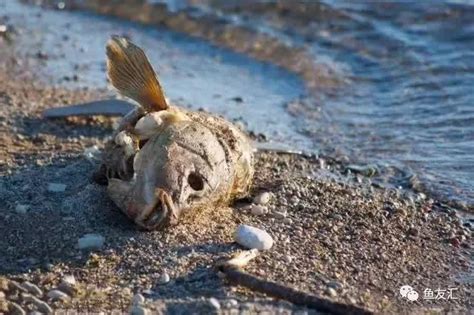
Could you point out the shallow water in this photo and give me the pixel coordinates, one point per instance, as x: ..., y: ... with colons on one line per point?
x: 406, y: 103
x: 193, y: 73
x: 409, y: 104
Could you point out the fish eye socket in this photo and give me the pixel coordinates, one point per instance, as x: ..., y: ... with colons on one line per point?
x: 195, y: 181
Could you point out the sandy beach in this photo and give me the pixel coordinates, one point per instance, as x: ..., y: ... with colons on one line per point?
x: 336, y: 234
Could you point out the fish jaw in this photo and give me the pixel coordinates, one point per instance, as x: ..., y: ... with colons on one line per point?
x: 153, y: 213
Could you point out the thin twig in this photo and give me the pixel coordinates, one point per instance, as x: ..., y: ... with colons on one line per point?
x: 276, y: 290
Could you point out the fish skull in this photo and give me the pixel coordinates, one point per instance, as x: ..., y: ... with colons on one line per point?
x: 183, y: 167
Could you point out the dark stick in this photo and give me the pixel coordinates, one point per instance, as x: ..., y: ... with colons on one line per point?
x: 238, y: 277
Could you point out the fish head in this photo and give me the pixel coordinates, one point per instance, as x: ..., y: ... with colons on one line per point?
x: 178, y: 170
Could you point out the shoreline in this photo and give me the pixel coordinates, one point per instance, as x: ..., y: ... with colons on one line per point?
x: 318, y: 77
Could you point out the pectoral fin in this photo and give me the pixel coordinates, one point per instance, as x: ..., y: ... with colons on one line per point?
x: 131, y: 73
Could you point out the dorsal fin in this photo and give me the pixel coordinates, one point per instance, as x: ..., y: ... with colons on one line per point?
x: 131, y: 73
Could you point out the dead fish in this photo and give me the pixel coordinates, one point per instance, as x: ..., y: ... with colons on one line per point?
x: 164, y: 161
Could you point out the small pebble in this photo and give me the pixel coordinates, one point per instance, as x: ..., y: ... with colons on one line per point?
x: 57, y: 295
x: 252, y: 237
x: 455, y: 242
x: 215, y: 303
x: 288, y: 258
x: 126, y: 291
x: 43, y: 307
x: 262, y: 198
x: 13, y: 285
x: 164, y: 278
x: 232, y: 303
x: 16, y: 309
x: 32, y: 288
x: 91, y: 153
x: 287, y: 221
x: 91, y: 241
x: 335, y: 285
x: 4, y: 284
x: 279, y: 214
x: 257, y: 210
x: 139, y: 310
x: 138, y: 299
x: 21, y: 209
x: 413, y: 231
x: 68, y: 284
x: 69, y: 280
x: 49, y: 266
x: 331, y: 292
x: 148, y: 292
x: 56, y: 187
x: 3, y: 306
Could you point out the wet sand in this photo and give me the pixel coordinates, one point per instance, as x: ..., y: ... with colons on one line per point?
x: 342, y: 237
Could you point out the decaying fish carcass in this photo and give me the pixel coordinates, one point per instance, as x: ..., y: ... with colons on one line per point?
x: 164, y: 161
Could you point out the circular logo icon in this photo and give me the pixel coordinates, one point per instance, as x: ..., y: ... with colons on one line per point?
x: 405, y: 289
x: 412, y: 295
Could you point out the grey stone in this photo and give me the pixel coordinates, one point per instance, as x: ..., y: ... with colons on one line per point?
x: 57, y: 295
x: 279, y: 214
x: 257, y: 210
x: 56, y: 187
x: 262, y: 198
x: 215, y: 303
x: 68, y: 284
x: 43, y: 307
x: 21, y: 208
x: 91, y: 241
x: 139, y: 310
x: 331, y: 292
x: 138, y: 299
x: 164, y: 278
x: 32, y: 288
x: 16, y: 309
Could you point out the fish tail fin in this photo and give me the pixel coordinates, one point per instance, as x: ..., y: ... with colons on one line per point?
x: 131, y: 73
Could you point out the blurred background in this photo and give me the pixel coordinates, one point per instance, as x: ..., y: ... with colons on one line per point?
x: 386, y: 87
